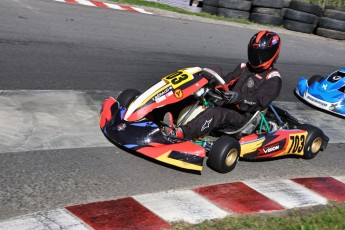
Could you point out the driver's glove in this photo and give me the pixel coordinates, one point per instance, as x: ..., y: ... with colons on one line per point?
x: 230, y: 97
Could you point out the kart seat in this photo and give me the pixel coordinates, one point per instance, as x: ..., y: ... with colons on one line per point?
x: 247, y: 128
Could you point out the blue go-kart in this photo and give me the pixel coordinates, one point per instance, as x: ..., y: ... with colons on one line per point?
x: 326, y: 93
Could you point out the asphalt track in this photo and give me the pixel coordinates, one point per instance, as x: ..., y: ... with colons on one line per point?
x: 53, y: 119
x: 50, y: 106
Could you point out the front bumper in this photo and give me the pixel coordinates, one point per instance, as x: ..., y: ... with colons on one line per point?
x: 145, y: 137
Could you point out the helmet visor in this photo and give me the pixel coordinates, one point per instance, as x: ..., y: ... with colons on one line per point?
x: 258, y: 56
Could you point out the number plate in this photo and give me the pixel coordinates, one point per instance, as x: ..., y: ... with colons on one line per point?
x: 178, y: 78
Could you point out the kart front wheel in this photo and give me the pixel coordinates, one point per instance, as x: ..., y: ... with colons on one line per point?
x: 314, y: 78
x: 127, y: 96
x: 314, y: 141
x: 224, y: 154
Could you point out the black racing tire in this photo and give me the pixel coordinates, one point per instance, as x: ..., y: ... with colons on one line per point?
x: 299, y: 26
x: 210, y: 9
x: 332, y: 24
x: 335, y: 14
x: 301, y: 16
x: 127, y: 96
x: 286, y: 3
x: 338, y: 8
x: 266, y: 19
x: 314, y: 78
x: 236, y: 14
x: 306, y: 7
x: 314, y: 141
x: 270, y: 11
x: 327, y: 33
x: 284, y: 11
x: 224, y: 154
x: 235, y: 4
x: 210, y: 3
x: 268, y: 3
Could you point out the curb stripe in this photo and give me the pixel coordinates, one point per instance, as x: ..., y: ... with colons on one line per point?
x: 129, y: 8
x: 83, y: 2
x: 125, y: 213
x: 105, y: 5
x: 238, y: 198
x: 113, y: 6
x: 287, y: 193
x: 184, y: 205
x: 326, y: 186
x: 154, y: 211
x: 140, y: 10
x: 99, y: 4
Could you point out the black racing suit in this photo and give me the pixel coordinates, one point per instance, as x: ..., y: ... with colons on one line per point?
x: 256, y: 91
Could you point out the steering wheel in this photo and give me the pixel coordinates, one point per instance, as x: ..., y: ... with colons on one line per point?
x: 216, y: 76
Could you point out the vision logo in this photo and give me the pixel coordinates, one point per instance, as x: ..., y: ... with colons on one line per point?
x: 269, y: 149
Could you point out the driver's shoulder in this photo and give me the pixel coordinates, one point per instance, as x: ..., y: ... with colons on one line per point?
x: 271, y: 73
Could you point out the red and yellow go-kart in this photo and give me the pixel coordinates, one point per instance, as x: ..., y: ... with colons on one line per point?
x: 133, y: 121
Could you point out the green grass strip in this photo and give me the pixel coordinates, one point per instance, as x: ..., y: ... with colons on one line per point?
x: 329, y: 217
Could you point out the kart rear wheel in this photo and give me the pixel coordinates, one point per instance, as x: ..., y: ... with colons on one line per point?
x: 127, y: 96
x: 224, y: 154
x: 314, y: 78
x: 314, y: 141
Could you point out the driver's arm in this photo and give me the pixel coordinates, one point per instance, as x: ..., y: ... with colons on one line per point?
x: 231, y: 77
x: 267, y: 92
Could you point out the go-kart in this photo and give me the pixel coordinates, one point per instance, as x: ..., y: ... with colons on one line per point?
x: 326, y: 93
x: 133, y: 121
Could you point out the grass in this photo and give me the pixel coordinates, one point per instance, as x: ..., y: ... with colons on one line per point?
x: 326, y: 2
x: 329, y: 217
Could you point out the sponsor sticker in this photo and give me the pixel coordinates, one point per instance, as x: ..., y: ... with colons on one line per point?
x: 161, y: 96
x: 121, y: 126
x: 336, y: 78
x: 206, y: 124
x: 178, y: 93
x: 273, y: 74
x: 269, y: 149
x: 249, y: 102
x: 250, y: 83
x: 316, y: 101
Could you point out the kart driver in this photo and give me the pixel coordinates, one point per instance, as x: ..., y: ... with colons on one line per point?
x: 253, y: 86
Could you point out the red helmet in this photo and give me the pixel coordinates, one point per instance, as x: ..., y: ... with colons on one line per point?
x: 263, y: 50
